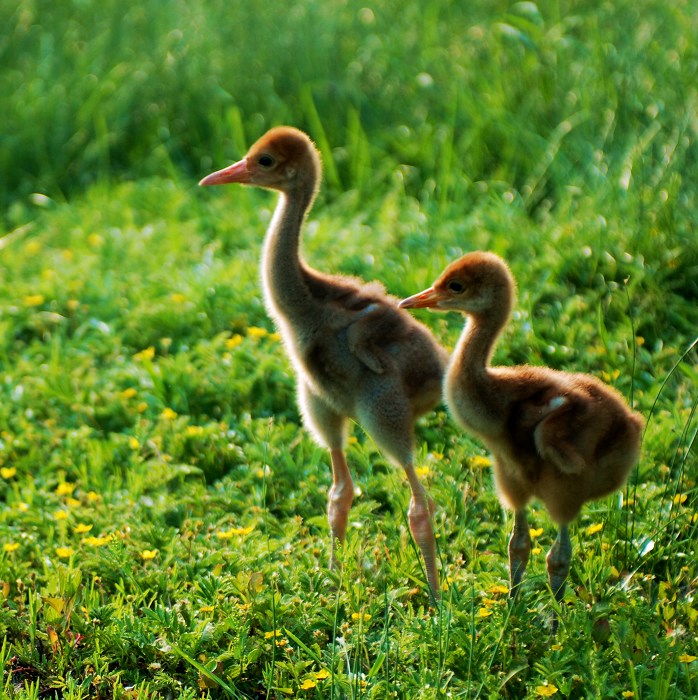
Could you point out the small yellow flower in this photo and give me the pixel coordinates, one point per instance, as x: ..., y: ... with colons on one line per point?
x: 680, y: 499
x: 276, y: 337
x: 72, y: 502
x: 628, y: 694
x: 147, y: 354
x: 361, y: 617
x: 64, y: 552
x: 65, y: 488
x: 227, y: 534
x: 73, y: 304
x: 322, y: 674
x: 546, y: 690
x: 61, y: 515
x: 352, y: 440
x: 640, y: 340
x: 7, y: 472
x: 10, y: 546
x: 307, y: 684
x: 95, y: 240
x: 133, y: 443
x: 194, y: 430
x: 593, y: 529
x: 479, y: 462
x: 423, y: 472
x: 168, y: 414
x: 233, y: 341
x: 687, y: 658
x: 32, y: 247
x: 97, y: 541
x: 82, y: 528
x: 128, y: 393
x: 206, y: 608
x: 483, y: 612
x: 142, y: 407
x: 34, y: 299
x: 257, y: 332
x: 93, y: 497
x: 498, y: 588
x: 148, y: 554
x: 22, y: 507
x: 535, y: 532
x: 273, y: 633
x: 178, y: 297
x: 536, y: 551
x: 557, y: 647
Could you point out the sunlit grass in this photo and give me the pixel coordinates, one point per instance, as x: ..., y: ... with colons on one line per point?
x: 163, y: 531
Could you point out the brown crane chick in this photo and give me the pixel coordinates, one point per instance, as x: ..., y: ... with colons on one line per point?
x: 355, y: 353
x: 560, y: 437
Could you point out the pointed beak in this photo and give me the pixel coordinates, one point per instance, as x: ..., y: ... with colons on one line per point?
x: 237, y: 172
x: 427, y: 299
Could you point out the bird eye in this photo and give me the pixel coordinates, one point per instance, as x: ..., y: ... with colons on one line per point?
x: 266, y: 161
x: 455, y: 286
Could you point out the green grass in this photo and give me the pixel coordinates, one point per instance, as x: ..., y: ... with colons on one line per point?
x: 163, y: 532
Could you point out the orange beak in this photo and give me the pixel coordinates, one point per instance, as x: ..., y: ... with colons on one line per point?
x: 429, y: 298
x: 237, y: 172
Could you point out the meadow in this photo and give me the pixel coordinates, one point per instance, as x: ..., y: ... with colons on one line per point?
x: 163, y: 526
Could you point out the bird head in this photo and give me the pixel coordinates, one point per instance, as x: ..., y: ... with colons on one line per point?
x: 473, y: 284
x: 280, y: 160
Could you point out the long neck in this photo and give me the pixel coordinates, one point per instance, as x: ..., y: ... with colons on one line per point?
x: 472, y: 354
x: 283, y: 270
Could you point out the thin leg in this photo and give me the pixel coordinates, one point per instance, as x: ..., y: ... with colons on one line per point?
x: 519, y: 550
x: 419, y: 516
x: 558, y: 561
x: 339, y: 501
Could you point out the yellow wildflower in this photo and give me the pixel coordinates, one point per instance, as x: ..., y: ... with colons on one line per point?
x: 142, y: 407
x: 147, y: 354
x: 95, y: 240
x: 168, y: 414
x: 680, y: 499
x: 73, y: 304
x: 593, y: 529
x: 273, y: 633
x: 206, y: 608
x: 535, y: 532
x: 628, y: 694
x: 93, y: 497
x: 61, y: 515
x: 546, y: 690
x: 687, y: 658
x: 22, y: 507
x: 536, y: 551
x: 148, y: 554
x: 322, y: 674
x: 307, y: 684
x: 133, y: 443
x: 276, y: 337
x: 65, y: 489
x: 498, y: 588
x: 32, y: 247
x: 64, y: 552
x: 178, y: 297
x: 72, y: 502
x: 257, y: 332
x: 233, y: 341
x: 423, y: 472
x: 479, y: 462
x: 361, y: 617
x: 483, y: 612
x: 227, y: 534
x: 34, y: 299
x: 7, y: 472
x: 128, y: 393
x: 557, y: 647
x: 97, y: 541
x: 82, y: 528
x: 194, y: 430
x: 10, y: 546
